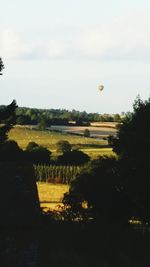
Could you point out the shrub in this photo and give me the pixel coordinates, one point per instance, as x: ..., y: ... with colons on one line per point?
x: 37, y: 154
x: 86, y: 133
x: 74, y: 157
x: 100, y: 187
x: 63, y: 146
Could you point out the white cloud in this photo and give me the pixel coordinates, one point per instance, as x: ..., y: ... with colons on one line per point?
x: 11, y: 46
x: 56, y: 49
x: 127, y: 38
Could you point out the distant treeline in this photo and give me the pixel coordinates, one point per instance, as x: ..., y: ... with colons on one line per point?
x: 47, y: 117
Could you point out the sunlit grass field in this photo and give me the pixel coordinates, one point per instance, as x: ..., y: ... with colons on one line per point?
x: 92, y: 146
x: 96, y: 152
x: 51, y: 195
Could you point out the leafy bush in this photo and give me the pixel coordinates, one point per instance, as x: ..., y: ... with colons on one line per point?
x: 63, y: 146
x: 74, y: 157
x: 86, y: 133
x: 37, y: 154
x: 99, y: 186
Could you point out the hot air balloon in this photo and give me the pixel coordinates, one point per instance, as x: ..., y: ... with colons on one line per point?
x: 100, y: 87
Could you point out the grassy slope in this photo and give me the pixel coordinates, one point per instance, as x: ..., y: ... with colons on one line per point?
x: 91, y: 146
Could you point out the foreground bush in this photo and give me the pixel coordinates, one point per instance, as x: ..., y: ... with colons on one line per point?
x: 98, y: 192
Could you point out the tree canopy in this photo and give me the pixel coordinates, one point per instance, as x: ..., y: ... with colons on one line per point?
x: 118, y: 189
x: 99, y: 186
x: 132, y: 144
x: 35, y: 116
x: 63, y: 146
x: 1, y: 66
x: 7, y: 120
x: 75, y: 157
x: 132, y: 140
x: 37, y: 154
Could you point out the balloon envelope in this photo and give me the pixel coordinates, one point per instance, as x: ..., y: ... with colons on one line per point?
x: 100, y: 87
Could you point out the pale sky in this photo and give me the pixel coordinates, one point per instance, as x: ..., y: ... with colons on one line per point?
x: 56, y: 53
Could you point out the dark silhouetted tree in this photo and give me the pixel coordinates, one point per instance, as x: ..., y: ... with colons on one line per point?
x: 63, y: 146
x: 100, y: 187
x: 37, y: 154
x: 10, y: 151
x: 1, y: 66
x: 18, y: 184
x: 43, y: 124
x: 86, y: 133
x: 7, y: 120
x: 132, y: 144
x: 74, y: 157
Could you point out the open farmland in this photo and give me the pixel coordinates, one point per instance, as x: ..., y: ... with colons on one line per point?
x: 92, y: 146
x: 100, y: 131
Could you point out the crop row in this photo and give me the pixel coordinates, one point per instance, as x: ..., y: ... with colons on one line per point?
x: 56, y: 173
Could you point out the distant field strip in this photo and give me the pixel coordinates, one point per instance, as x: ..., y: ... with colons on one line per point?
x: 97, y: 132
x: 96, y: 152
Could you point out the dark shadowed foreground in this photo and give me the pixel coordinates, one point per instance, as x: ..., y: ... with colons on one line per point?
x: 30, y: 239
x: 74, y: 244
x: 19, y: 215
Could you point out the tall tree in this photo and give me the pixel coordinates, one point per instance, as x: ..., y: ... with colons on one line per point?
x: 7, y: 115
x: 132, y: 144
x: 1, y: 66
x: 132, y: 140
x: 7, y: 120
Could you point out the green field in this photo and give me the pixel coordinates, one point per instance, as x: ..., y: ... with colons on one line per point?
x: 92, y: 146
x: 96, y: 152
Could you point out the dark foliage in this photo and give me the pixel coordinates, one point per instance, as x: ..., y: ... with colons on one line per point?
x: 74, y: 157
x: 63, y: 146
x: 100, y: 187
x: 34, y: 116
x: 132, y: 144
x: 7, y: 120
x: 19, y: 203
x: 133, y: 140
x: 43, y: 124
x: 10, y: 151
x: 1, y: 66
x: 86, y: 133
x: 37, y: 154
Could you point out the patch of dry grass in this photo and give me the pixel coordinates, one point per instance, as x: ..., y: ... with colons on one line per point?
x: 51, y: 195
x: 96, y: 152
